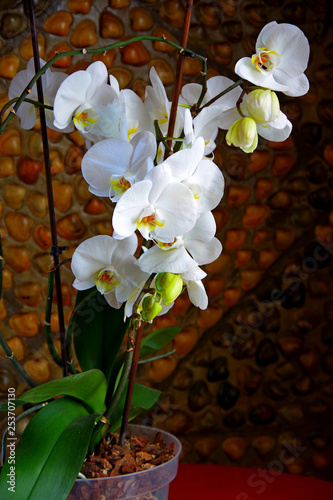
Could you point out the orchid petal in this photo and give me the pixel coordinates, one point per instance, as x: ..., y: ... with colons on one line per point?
x: 174, y: 261
x: 129, y: 207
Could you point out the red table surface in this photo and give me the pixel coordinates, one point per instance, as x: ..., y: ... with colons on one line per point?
x: 215, y: 482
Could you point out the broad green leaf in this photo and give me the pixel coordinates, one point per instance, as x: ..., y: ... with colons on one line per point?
x: 157, y: 340
x: 143, y: 399
x: 15, y: 402
x: 88, y: 387
x: 98, y: 331
x: 50, y: 452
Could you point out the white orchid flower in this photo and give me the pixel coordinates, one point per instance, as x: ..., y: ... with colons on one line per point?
x: 197, y: 247
x: 158, y: 206
x: 112, y: 166
x: 110, y: 265
x: 205, y: 125
x: 51, y: 81
x: 282, y: 55
x: 82, y: 97
x: 195, y: 289
x: 201, y: 175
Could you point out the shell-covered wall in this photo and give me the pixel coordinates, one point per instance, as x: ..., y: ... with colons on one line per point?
x: 250, y: 381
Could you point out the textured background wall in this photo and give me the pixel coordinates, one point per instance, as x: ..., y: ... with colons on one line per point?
x: 251, y: 375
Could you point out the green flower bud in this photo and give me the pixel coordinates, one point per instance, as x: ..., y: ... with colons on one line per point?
x: 150, y: 308
x: 263, y: 105
x: 169, y: 285
x: 243, y: 134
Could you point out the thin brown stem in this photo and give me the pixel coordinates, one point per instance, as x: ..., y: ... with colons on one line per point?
x: 48, y: 176
x: 179, y: 74
x: 130, y: 389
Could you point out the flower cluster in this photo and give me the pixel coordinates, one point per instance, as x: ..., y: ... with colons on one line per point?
x: 166, y: 194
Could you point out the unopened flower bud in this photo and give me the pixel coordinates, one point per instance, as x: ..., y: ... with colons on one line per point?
x: 150, y: 308
x: 263, y: 105
x: 169, y: 285
x: 243, y: 134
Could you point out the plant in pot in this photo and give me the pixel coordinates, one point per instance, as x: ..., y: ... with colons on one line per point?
x: 154, y: 160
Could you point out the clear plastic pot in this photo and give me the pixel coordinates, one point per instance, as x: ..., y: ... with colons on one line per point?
x: 152, y: 484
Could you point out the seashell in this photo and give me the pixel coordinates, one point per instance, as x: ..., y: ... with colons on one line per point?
x: 218, y: 154
x: 119, y: 4
x: 263, y: 188
x: 26, y: 50
x: 95, y: 207
x: 258, y: 161
x: 66, y: 295
x: 235, y: 238
x: 267, y: 257
x: 215, y: 286
x: 181, y: 305
x: 7, y: 279
x: 199, y: 396
x: 309, y: 358
x: 221, y: 216
x: 134, y: 54
x: 231, y: 296
x: 55, y: 163
x: 262, y: 415
x: 71, y: 227
x: 62, y: 195
x: 102, y: 227
x: 235, y: 167
x: 42, y: 236
x: 218, y: 264
x: 185, y: 340
x: 243, y: 257
x: 79, y: 6
x: 205, y: 446
x: 218, y: 369
x: 161, y: 46
x: 311, y: 132
x: 110, y: 25
x: 3, y: 310
x: 107, y: 58
x: 266, y: 353
x: 172, y: 13
x: 77, y: 138
x: 37, y: 204
x: 210, y: 316
x: 35, y: 144
x: 80, y: 65
x: 290, y: 343
x: 164, y: 321
x: 221, y: 52
x: 6, y: 166
x: 28, y: 169
x: 293, y: 111
x: 178, y: 421
x: 140, y: 19
x: 10, y: 143
x: 284, y: 238
x: 139, y: 87
x: 64, y: 62
x: 9, y: 65
x: 283, y: 164
x: 17, y: 257
x: 293, y: 298
x: 25, y: 324
x: 13, y: 195
x: 237, y: 196
x: 18, y: 226
x: 54, y: 136
x: 7, y: 381
x: 303, y: 387
x: 318, y: 285
x: 182, y: 379
x: 320, y: 199
x: 209, y: 420
x: 17, y: 346
x: 294, y: 13
x: 235, y: 447
x: 255, y: 14
x: 84, y: 34
x: 12, y: 25
x: 280, y: 200
x: 320, y: 460
x: 58, y: 23
x: 227, y: 395
x: 234, y: 419
x: 263, y: 445
x: 29, y: 294
x: 210, y: 15
x: 260, y: 236
x: 73, y: 159
x: 202, y: 357
x: 82, y: 193
x: 191, y: 66
x: 123, y: 75
x: 164, y: 70
x: 161, y: 368
x: 233, y: 31
x: 229, y: 7
x: 286, y: 371
x: 42, y: 262
x: 316, y: 172
x: 197, y: 34
x: 38, y: 369
x: 249, y: 45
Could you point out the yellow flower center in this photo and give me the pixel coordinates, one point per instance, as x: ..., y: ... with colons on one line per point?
x: 106, y: 281
x: 120, y: 185
x: 82, y: 119
x: 263, y: 59
x: 149, y: 223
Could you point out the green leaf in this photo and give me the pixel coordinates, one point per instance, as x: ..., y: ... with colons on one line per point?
x: 88, y: 387
x: 143, y: 399
x: 157, y: 340
x: 15, y: 402
x: 98, y: 331
x: 50, y: 452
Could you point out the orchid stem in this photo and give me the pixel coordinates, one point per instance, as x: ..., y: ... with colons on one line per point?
x: 229, y: 89
x: 204, y: 83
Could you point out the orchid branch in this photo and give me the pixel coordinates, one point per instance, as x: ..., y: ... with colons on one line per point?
x: 214, y: 99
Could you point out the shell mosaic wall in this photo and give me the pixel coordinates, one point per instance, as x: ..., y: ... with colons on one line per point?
x: 251, y: 379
